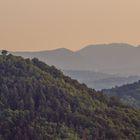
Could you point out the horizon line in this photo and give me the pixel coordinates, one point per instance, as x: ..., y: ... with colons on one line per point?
x: 43, y: 50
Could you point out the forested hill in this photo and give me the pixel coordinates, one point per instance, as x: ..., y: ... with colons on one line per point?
x: 129, y: 93
x: 37, y: 102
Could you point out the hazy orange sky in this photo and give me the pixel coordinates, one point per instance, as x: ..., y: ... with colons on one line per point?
x: 48, y: 24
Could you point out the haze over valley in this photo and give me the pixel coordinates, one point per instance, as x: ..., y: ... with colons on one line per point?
x: 99, y: 66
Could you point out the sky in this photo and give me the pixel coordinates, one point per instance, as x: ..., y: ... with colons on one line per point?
x: 32, y: 25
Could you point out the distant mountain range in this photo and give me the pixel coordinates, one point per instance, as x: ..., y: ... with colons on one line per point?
x: 116, y: 58
x: 98, y: 80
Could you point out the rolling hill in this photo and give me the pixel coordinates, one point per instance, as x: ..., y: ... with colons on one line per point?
x: 129, y: 93
x: 38, y: 102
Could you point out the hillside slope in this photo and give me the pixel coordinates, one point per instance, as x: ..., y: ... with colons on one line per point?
x: 129, y: 93
x: 37, y: 102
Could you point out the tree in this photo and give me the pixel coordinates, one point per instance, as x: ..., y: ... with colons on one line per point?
x: 4, y: 52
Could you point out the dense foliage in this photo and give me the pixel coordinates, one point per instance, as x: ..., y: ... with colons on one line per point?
x: 129, y: 94
x: 37, y: 102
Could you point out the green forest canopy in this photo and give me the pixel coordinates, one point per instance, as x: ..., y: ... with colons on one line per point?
x: 38, y: 102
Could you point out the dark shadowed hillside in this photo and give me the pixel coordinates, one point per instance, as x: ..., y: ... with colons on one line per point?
x: 130, y: 93
x: 37, y: 102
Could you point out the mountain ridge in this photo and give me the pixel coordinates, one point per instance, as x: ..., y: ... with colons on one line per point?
x: 98, y: 80
x: 115, y: 58
x: 90, y: 45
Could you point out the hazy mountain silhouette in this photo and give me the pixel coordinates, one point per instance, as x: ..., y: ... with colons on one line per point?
x: 113, y: 58
x: 98, y: 80
x: 61, y: 58
x: 116, y: 58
